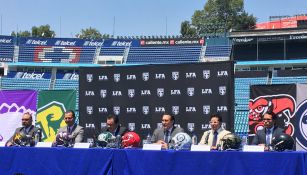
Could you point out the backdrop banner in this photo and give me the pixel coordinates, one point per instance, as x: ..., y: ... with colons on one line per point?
x: 13, y: 104
x: 139, y: 95
x: 52, y: 105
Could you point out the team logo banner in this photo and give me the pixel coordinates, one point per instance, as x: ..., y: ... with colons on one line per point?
x: 301, y: 117
x: 13, y: 104
x: 52, y: 105
x: 139, y: 95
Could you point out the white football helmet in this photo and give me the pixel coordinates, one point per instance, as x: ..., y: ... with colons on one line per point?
x: 181, y: 141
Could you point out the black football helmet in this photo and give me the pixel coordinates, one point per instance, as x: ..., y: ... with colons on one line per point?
x: 282, y: 142
x: 230, y: 142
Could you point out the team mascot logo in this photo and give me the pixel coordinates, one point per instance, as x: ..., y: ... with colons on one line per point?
x: 283, y: 105
x: 301, y: 132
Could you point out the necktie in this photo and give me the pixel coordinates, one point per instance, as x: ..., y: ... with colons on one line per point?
x: 69, y: 130
x: 268, y: 137
x: 166, y: 136
x: 214, y: 138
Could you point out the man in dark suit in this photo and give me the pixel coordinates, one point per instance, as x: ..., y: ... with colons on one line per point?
x: 76, y: 132
x: 113, y: 126
x: 264, y: 136
x: 27, y: 130
x: 165, y: 134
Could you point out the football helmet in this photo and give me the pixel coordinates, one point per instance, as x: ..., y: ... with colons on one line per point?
x: 230, y: 142
x: 104, y: 139
x: 131, y: 140
x: 282, y: 142
x: 181, y: 141
x: 21, y: 139
x: 64, y: 139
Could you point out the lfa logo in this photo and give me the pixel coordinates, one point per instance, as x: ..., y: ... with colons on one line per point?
x: 89, y: 110
x: 206, y: 74
x: 116, y: 110
x: 175, y: 75
x: 145, y: 126
x: 222, y: 73
x: 103, y: 78
x: 103, y: 93
x: 222, y: 90
x: 89, y: 93
x: 116, y: 77
x: 160, y: 76
x: 222, y: 109
x: 190, y: 91
x: 145, y: 76
x: 131, y: 77
x: 131, y: 126
x: 131, y: 93
x: 175, y: 110
x: 145, y: 110
x: 89, y: 77
x: 160, y: 92
x: 190, y: 75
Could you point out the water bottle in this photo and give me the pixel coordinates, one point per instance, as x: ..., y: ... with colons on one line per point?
x: 244, y: 141
x: 148, y: 138
x: 37, y: 136
x: 194, y: 139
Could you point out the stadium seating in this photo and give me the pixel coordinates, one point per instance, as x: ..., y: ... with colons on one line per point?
x: 20, y: 83
x: 289, y: 80
x: 166, y: 54
x: 7, y: 52
x: 218, y: 51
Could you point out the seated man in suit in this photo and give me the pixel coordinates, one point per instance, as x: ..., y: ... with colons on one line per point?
x: 27, y: 130
x: 76, y: 132
x: 165, y: 134
x: 113, y: 126
x: 264, y: 136
x: 213, y: 137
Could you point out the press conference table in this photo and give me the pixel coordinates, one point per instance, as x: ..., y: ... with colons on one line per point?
x: 135, y: 161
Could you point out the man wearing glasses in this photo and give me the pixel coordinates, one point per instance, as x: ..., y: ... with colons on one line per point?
x: 27, y: 130
x: 213, y: 137
x: 270, y: 130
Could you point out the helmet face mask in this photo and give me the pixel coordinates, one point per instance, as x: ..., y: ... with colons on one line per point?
x: 230, y: 142
x: 131, y: 140
x: 181, y: 141
x: 283, y: 142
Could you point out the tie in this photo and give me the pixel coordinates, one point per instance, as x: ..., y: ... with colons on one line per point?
x: 166, y: 136
x: 214, y: 138
x: 268, y: 137
x: 69, y: 130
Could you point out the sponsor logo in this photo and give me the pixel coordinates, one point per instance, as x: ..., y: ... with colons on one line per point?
x: 116, y: 110
x: 190, y: 91
x: 145, y: 76
x: 160, y: 92
x: 145, y: 110
x: 206, y: 74
x: 191, y: 127
x: 175, y: 92
x: 121, y: 43
x: 206, y: 109
x: 221, y: 109
x: 36, y: 42
x: 32, y: 75
x: 131, y: 93
x: 65, y: 43
x: 89, y: 125
x: 206, y: 91
x: 93, y: 43
x: 131, y: 77
x: 175, y: 110
x: 89, y: 110
x: 145, y: 92
x: 71, y: 76
x: 175, y: 75
x: 159, y: 76
x: 103, y: 93
x: 116, y: 93
x: 145, y: 126
x: 131, y: 110
x: 89, y: 77
x: 222, y: 73
x: 5, y: 41
x: 131, y: 126
x: 190, y: 109
x: 222, y: 90
x: 116, y: 77
x: 159, y: 109
x: 89, y: 93
x: 190, y: 75
x: 103, y: 78
x: 205, y: 126
x: 103, y: 110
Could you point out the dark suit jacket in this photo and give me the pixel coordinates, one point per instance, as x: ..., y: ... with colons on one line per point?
x: 159, y: 134
x: 121, y: 130
x: 260, y: 135
x: 22, y: 130
x: 77, y: 132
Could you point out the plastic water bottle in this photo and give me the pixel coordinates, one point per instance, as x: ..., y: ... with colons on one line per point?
x: 244, y: 141
x: 194, y: 139
x: 37, y: 136
x: 148, y: 138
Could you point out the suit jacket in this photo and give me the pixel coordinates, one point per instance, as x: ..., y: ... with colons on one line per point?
x: 260, y: 137
x: 121, y: 130
x: 22, y: 130
x: 158, y: 134
x: 77, y: 132
x: 207, y: 137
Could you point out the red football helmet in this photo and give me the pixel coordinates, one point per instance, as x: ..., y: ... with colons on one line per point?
x: 131, y: 139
